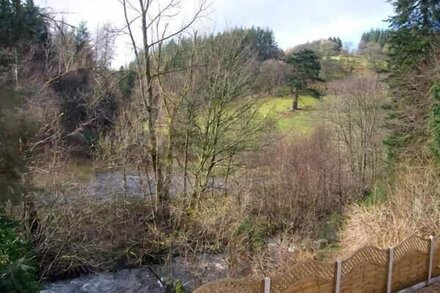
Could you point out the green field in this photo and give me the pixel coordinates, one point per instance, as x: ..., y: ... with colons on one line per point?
x: 361, y: 61
x: 279, y: 109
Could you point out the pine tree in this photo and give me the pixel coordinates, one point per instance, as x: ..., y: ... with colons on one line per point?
x: 415, y: 27
x: 21, y: 23
x: 262, y: 42
x: 306, y: 68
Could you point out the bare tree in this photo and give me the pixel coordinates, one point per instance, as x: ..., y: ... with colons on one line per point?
x: 348, y: 62
x: 355, y: 109
x: 272, y: 76
x: 226, y: 123
x: 160, y: 108
x: 104, y: 45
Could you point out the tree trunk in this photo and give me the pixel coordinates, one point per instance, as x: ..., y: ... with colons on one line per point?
x: 152, y: 101
x: 295, y: 101
x: 15, y: 70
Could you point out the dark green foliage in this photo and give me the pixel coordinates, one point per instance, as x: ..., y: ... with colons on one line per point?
x: 257, y: 45
x: 87, y: 113
x: 18, y: 267
x: 127, y: 82
x: 15, y: 132
x: 379, y: 36
x: 177, y: 54
x: 323, y: 48
x: 262, y: 41
x: 393, y: 142
x: 415, y: 27
x: 82, y: 37
x: 252, y: 232
x: 435, y: 120
x: 337, y: 41
x: 21, y: 23
x: 306, y: 69
x: 256, y: 40
x: 423, y: 15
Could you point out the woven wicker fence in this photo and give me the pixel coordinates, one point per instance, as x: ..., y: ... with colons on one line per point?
x: 414, y: 263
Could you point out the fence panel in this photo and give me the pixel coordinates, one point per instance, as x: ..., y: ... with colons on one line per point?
x: 436, y: 260
x: 307, y: 277
x: 367, y: 270
x: 411, y: 264
x: 232, y: 285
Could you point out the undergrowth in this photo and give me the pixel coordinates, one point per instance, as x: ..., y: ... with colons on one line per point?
x: 18, y: 265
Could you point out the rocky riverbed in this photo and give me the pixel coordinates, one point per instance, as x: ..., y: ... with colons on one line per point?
x: 151, y: 279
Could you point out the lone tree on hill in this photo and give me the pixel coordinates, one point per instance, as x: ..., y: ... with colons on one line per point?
x: 306, y: 68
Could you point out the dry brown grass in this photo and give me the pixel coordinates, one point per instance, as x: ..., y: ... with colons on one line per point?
x: 412, y: 207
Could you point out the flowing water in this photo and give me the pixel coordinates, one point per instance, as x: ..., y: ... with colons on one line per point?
x: 152, y: 279
x: 113, y: 184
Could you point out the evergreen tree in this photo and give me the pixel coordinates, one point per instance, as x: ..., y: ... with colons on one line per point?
x: 21, y: 24
x: 127, y: 82
x: 415, y: 27
x: 262, y: 41
x: 306, y: 68
x: 82, y: 36
x: 378, y: 36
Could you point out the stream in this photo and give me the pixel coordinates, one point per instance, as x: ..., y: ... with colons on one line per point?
x: 144, y: 279
x: 112, y: 184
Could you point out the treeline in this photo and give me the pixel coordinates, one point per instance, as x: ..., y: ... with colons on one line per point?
x: 379, y: 36
x: 324, y: 48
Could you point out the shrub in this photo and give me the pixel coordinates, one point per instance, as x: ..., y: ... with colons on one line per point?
x: 18, y: 267
x: 308, y: 180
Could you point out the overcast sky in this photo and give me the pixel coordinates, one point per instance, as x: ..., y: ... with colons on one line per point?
x: 293, y: 21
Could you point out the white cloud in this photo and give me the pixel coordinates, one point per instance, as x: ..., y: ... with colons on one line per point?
x: 293, y: 21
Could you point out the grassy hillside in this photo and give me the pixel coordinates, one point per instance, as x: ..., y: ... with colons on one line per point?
x: 279, y: 109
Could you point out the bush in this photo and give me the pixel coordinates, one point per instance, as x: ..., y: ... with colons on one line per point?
x: 18, y: 267
x: 309, y: 180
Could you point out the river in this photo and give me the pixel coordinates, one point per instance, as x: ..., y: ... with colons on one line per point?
x: 154, y: 278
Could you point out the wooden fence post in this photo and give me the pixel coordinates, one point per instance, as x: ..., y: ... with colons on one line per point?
x: 338, y: 276
x: 431, y: 258
x: 266, y: 285
x: 390, y: 269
